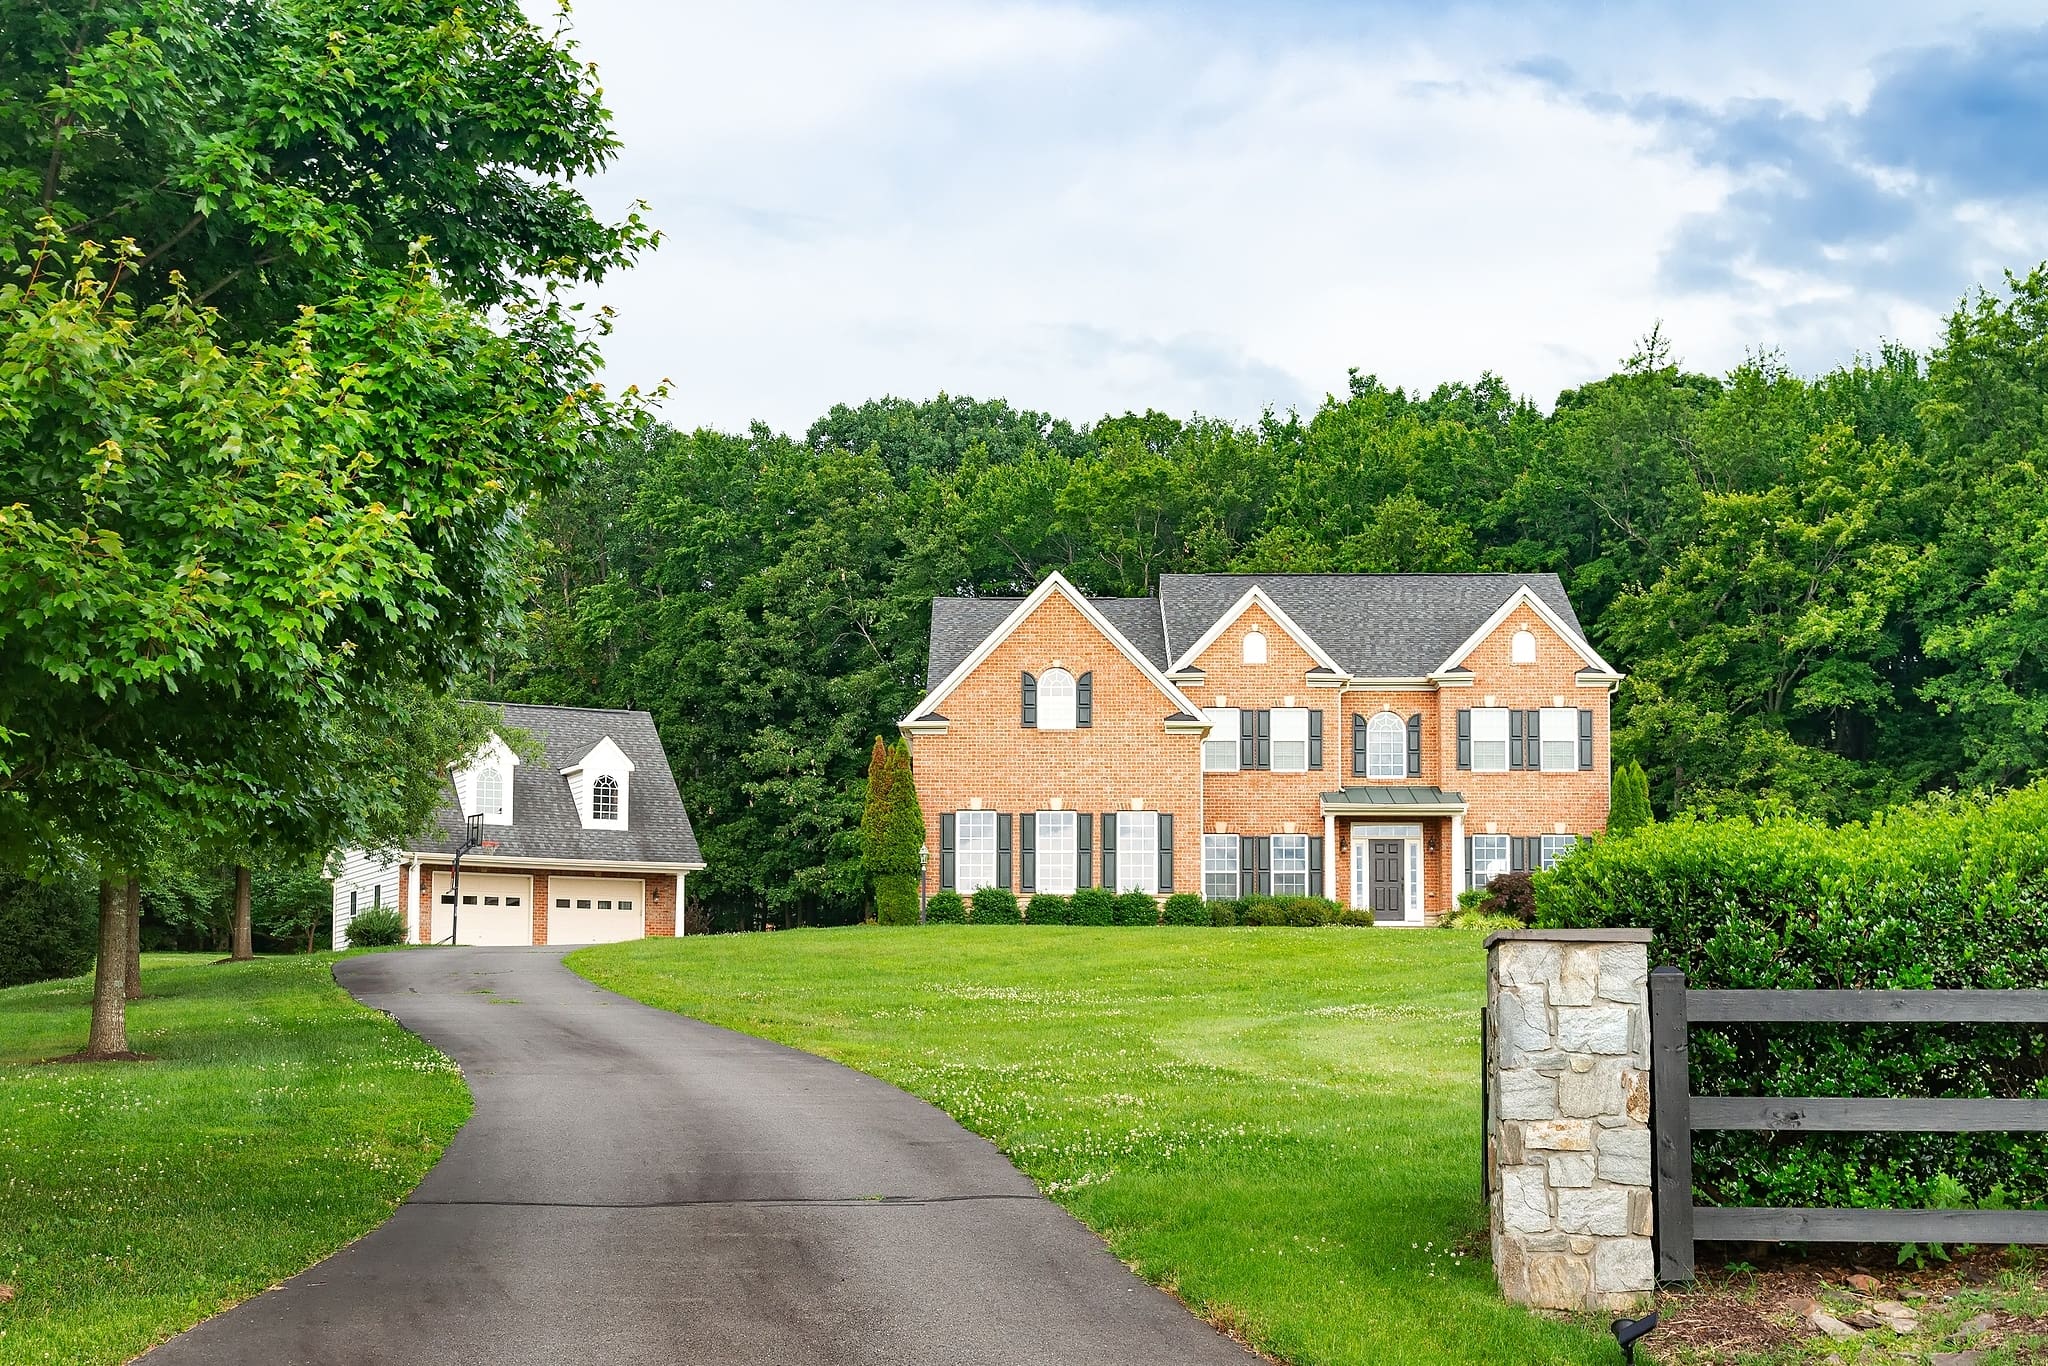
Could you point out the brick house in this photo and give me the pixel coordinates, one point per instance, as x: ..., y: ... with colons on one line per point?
x: 1387, y: 740
x: 590, y: 846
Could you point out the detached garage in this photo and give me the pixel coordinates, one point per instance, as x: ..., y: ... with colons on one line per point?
x: 585, y: 842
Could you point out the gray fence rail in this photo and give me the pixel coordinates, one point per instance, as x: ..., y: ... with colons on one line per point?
x: 1676, y: 1115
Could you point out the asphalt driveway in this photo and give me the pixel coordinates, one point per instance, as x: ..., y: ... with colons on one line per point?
x: 636, y: 1187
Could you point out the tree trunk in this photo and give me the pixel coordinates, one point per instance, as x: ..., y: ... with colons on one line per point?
x: 133, y: 984
x: 109, y: 979
x: 244, y: 949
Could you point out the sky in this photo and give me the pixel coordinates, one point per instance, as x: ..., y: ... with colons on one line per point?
x: 1221, y: 208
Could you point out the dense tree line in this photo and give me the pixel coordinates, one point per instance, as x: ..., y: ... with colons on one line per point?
x: 1831, y: 593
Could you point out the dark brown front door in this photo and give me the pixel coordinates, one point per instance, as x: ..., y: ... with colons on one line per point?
x: 1386, y: 880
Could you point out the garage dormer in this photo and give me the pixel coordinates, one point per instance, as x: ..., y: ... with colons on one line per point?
x: 601, y: 781
x: 485, y: 784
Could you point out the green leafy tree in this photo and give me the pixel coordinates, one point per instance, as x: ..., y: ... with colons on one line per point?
x: 1629, y: 810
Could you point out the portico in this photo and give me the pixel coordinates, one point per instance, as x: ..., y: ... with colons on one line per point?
x: 1397, y: 850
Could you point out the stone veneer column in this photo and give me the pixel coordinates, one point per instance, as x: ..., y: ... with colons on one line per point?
x: 1568, y: 1117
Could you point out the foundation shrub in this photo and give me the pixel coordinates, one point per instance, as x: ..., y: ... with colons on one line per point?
x: 1049, y: 908
x: 1091, y: 906
x: 995, y: 906
x: 1185, y: 908
x: 1136, y: 908
x: 945, y: 907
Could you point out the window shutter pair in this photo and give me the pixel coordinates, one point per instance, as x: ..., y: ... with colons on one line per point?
x: 1165, y: 851
x: 1315, y: 865
x: 1465, y: 753
x: 1518, y: 740
x: 1109, y: 850
x: 1518, y: 854
x: 1358, y: 744
x: 1030, y: 702
x: 1084, y: 850
x: 1027, y: 851
x: 1415, y: 745
x: 1315, y: 739
x: 1003, y: 852
x: 1585, y: 737
x: 946, y: 850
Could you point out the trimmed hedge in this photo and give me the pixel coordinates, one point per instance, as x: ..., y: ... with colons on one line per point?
x: 945, y: 907
x: 1137, y: 908
x: 1945, y: 893
x: 995, y: 906
x: 1185, y: 908
x: 46, y: 931
x: 1298, y: 911
x: 1049, y: 908
x: 1091, y: 906
x: 377, y: 928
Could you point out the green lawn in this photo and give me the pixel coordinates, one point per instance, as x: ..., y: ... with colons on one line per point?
x: 280, y: 1121
x: 1280, y: 1125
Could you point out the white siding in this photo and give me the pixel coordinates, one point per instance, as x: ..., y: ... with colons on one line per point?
x: 372, y: 881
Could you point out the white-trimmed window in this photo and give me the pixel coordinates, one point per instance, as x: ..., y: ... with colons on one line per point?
x: 1255, y: 647
x: 1490, y: 740
x: 1522, y: 649
x: 490, y: 794
x: 1290, y: 864
x: 1137, y: 851
x: 1221, y: 750
x: 1057, y: 861
x: 974, y: 851
x: 1220, y: 867
x: 1386, y: 746
x: 1290, y: 739
x: 1556, y: 847
x: 1490, y: 858
x: 1560, y: 739
x: 604, y: 798
x: 1055, y: 700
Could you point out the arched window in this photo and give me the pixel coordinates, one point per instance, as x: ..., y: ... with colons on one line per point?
x: 1254, y: 647
x: 1386, y: 747
x: 490, y: 793
x: 604, y: 799
x: 1523, y: 649
x: 1055, y: 700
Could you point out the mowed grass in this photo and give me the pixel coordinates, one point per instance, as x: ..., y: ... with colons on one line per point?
x: 280, y: 1121
x: 1282, y: 1126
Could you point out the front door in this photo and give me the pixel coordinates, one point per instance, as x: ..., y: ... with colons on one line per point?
x: 1388, y: 898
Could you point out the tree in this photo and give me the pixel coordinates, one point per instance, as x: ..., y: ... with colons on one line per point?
x: 893, y: 857
x: 1629, y: 809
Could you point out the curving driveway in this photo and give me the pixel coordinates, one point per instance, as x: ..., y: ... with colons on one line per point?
x: 637, y: 1187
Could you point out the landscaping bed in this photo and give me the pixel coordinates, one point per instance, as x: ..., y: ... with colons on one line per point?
x: 1280, y: 1125
x: 277, y: 1121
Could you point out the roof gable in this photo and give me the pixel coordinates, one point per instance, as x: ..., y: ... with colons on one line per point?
x: 1255, y: 596
x: 1525, y: 596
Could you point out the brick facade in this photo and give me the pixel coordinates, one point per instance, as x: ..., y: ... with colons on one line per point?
x: 987, y: 758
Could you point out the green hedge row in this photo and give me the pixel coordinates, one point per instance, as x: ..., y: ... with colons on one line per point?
x: 1098, y: 906
x: 1946, y: 893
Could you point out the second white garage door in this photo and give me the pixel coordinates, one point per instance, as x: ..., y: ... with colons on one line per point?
x: 495, y: 909
x: 596, y: 910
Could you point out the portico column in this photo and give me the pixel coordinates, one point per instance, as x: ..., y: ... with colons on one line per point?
x: 1329, y: 857
x: 1457, y: 862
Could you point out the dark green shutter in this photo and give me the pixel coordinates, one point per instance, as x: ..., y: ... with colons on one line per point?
x: 1471, y: 873
x: 1247, y: 739
x: 1030, y: 702
x: 1315, y: 865
x: 1518, y: 854
x: 1027, y: 851
x: 1315, y: 739
x: 1357, y: 746
x: 1084, y: 700
x: 1084, y: 850
x: 1247, y: 864
x: 1515, y: 749
x: 1003, y: 852
x: 1264, y: 722
x: 1585, y: 737
x: 1109, y: 850
x: 1165, y: 851
x: 1465, y: 738
x: 946, y: 849
x: 1265, y: 868
x: 1415, y: 745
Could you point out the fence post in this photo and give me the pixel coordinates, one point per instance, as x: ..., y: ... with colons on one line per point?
x: 1567, y: 1058
x: 1671, y: 1123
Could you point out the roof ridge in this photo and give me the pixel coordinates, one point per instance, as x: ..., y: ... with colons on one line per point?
x: 556, y: 706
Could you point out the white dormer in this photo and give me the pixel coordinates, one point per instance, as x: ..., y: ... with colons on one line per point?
x: 485, y: 784
x: 601, y: 782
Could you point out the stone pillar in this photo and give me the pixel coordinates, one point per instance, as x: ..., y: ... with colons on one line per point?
x: 1568, y: 1117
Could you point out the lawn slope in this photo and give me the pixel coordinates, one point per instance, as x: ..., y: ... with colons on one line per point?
x: 280, y: 1121
x: 1280, y: 1125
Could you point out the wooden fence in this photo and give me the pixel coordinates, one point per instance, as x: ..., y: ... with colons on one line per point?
x: 1676, y: 1115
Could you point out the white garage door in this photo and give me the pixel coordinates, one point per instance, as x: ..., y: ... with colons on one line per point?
x: 496, y: 909
x: 596, y: 910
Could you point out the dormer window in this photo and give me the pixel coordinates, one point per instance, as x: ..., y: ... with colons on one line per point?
x: 599, y: 783
x: 484, y: 784
x: 490, y: 794
x: 604, y: 799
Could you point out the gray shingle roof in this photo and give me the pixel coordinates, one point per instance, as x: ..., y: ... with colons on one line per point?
x: 1375, y: 625
x: 545, y: 824
x: 1392, y: 796
x: 960, y: 624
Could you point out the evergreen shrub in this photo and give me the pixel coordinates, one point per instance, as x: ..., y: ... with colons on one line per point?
x: 1355, y: 917
x: 1185, y: 908
x: 1092, y: 906
x: 995, y: 906
x: 945, y: 907
x: 1227, y: 913
x: 1946, y: 893
x: 1048, y: 908
x: 379, y: 927
x: 1297, y: 911
x: 896, y: 898
x: 1137, y: 908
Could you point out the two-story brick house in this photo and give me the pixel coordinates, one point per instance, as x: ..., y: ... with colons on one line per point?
x: 1383, y: 739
